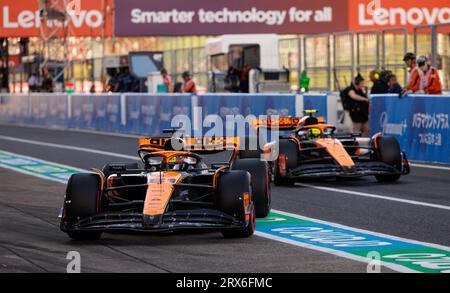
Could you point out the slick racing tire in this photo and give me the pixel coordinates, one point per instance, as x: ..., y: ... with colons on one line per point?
x: 128, y: 166
x: 260, y: 184
x: 231, y: 187
x: 289, y: 149
x: 83, y: 200
x: 388, y: 152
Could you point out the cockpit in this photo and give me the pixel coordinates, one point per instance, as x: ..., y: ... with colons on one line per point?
x: 173, y: 162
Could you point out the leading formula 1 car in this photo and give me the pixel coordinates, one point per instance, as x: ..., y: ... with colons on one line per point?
x: 175, y: 190
x: 310, y: 148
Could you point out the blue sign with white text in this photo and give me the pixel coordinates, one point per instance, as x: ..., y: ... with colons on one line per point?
x: 420, y: 124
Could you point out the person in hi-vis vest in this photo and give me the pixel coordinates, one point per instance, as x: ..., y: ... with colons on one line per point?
x: 189, y: 85
x: 430, y: 82
x: 167, y: 80
x: 414, y: 74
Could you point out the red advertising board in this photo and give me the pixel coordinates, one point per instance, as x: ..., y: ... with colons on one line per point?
x: 89, y: 18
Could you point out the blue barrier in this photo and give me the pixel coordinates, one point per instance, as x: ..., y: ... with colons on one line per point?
x: 150, y: 114
x: 420, y: 123
x: 316, y: 102
x: 142, y: 113
x: 235, y: 104
x: 15, y: 109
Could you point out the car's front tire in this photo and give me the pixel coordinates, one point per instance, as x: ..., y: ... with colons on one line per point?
x: 83, y: 199
x: 230, y: 190
x: 388, y: 151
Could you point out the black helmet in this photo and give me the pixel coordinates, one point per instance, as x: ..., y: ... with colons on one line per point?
x: 186, y: 74
x: 409, y: 56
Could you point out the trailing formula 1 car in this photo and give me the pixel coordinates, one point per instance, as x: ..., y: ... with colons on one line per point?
x: 310, y: 148
x: 175, y: 190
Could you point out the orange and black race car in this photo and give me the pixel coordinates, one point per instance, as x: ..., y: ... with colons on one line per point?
x: 310, y: 148
x: 174, y: 190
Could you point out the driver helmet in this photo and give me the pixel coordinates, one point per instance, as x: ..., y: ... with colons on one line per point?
x: 314, y: 133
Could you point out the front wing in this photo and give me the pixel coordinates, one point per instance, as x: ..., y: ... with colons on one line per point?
x: 199, y: 219
x: 332, y: 170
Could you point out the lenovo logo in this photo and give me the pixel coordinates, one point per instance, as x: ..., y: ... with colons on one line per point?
x: 27, y: 19
x: 373, y: 14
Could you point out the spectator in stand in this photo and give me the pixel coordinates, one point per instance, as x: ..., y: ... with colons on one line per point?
x: 33, y: 82
x: 379, y: 85
x: 244, y: 80
x: 167, y: 80
x: 430, y: 83
x: 359, y: 105
x: 48, y: 84
x: 188, y: 84
x: 414, y: 74
x: 112, y: 85
x: 394, y: 86
x: 125, y: 80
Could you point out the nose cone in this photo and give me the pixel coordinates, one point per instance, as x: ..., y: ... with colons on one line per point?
x: 349, y: 169
x: 148, y: 220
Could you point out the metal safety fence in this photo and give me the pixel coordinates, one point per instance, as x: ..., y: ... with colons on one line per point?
x: 332, y: 60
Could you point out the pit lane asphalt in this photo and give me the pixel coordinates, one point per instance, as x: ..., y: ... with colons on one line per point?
x: 31, y: 240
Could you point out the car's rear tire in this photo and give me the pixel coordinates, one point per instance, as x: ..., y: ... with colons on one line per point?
x: 388, y: 152
x: 260, y: 184
x: 83, y: 199
x: 289, y: 149
x: 230, y: 190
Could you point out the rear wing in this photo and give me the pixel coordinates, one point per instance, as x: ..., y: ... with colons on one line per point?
x: 193, y: 144
x: 284, y: 123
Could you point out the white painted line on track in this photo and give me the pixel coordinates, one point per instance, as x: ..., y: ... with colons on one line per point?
x: 337, y: 225
x: 135, y: 136
x: 69, y: 147
x: 417, y: 165
x: 112, y: 154
x: 74, y: 130
x: 376, y: 196
x: 334, y: 252
x: 337, y: 253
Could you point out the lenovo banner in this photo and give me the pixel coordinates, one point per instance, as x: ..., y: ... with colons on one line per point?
x: 84, y: 18
x: 376, y: 14
x: 204, y: 17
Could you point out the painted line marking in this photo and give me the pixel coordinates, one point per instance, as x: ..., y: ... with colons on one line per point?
x: 382, y: 197
x: 394, y: 267
x: 22, y: 164
x: 399, y: 254
x: 128, y: 157
x: 417, y: 165
x: 83, y: 131
x: 68, y: 147
x: 396, y: 253
x: 124, y: 135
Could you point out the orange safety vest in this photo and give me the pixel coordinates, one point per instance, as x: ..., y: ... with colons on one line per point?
x: 430, y: 82
x: 189, y: 87
x: 168, y: 83
x: 414, y: 80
